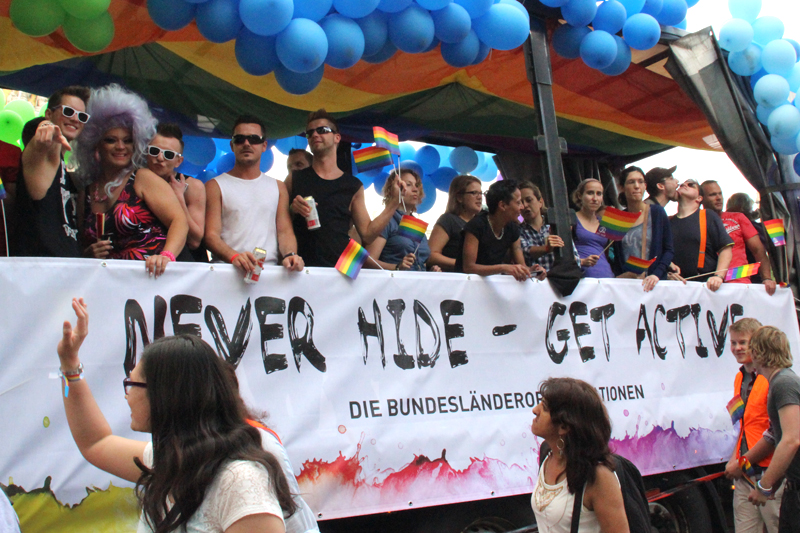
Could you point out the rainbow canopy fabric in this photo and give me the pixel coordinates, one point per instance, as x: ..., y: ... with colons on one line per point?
x: 200, y: 86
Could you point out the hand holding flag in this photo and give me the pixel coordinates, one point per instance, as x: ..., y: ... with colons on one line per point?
x: 370, y: 158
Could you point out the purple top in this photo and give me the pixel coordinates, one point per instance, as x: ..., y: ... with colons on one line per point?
x: 589, y: 243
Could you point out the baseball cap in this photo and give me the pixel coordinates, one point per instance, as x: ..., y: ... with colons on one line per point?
x: 657, y: 175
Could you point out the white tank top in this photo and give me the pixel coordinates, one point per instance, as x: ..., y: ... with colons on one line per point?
x: 248, y: 214
x: 552, y: 505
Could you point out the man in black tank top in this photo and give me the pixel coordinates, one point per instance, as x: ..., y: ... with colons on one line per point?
x: 339, y: 197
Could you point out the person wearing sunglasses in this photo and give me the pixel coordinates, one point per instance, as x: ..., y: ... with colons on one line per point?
x: 339, y: 197
x: 46, y: 223
x: 164, y: 156
x: 129, y: 212
x: 202, y: 469
x: 246, y: 209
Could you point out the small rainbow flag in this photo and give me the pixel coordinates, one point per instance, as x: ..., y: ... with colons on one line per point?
x: 736, y: 408
x: 748, y: 470
x: 371, y: 157
x: 352, y: 259
x: 615, y: 223
x: 387, y: 140
x: 412, y: 228
x: 776, y: 231
x: 744, y: 271
x: 2, y: 191
x: 637, y: 264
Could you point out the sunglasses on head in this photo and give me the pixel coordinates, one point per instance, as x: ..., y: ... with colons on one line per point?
x: 322, y: 130
x: 69, y: 112
x: 169, y: 155
x: 252, y: 139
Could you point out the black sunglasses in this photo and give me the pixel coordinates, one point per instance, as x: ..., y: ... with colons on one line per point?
x: 69, y: 112
x: 128, y: 383
x: 252, y: 139
x: 169, y: 155
x: 322, y: 130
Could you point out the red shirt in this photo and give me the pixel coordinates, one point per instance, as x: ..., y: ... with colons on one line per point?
x: 9, y: 168
x: 740, y: 229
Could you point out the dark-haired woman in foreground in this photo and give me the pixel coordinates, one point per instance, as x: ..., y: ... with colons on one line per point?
x: 204, y: 470
x: 571, y: 418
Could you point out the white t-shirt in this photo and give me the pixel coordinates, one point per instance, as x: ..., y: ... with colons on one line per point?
x: 241, y: 488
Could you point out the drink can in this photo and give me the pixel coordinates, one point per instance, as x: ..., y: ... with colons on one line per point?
x: 252, y: 277
x: 313, y: 218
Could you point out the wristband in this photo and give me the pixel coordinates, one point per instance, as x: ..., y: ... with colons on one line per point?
x: 290, y: 254
x: 766, y: 492
x: 69, y: 377
x: 169, y: 255
x: 234, y: 256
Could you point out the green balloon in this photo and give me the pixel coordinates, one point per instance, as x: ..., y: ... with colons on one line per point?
x: 23, y: 108
x: 85, y: 9
x: 89, y: 35
x: 37, y: 18
x: 10, y: 126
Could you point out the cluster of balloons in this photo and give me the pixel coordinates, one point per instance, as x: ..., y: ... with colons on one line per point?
x: 86, y: 23
x: 13, y: 116
x: 437, y: 165
x: 295, y: 39
x: 600, y: 47
x: 759, y: 50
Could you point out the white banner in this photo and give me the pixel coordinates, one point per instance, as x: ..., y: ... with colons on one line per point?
x: 392, y: 391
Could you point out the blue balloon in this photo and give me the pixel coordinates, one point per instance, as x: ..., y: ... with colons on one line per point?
x: 797, y: 164
x: 430, y: 195
x: 747, y: 62
x: 428, y: 158
x: 355, y: 9
x: 745, y: 9
x: 385, y: 53
x: 199, y: 150
x: 554, y: 3
x: 502, y: 27
x: 226, y: 163
x: 763, y: 112
x: 794, y: 78
x: 681, y: 25
x: 579, y: 12
x: 784, y: 145
x: 691, y: 3
x: 672, y: 12
x: 270, y: 143
x: 410, y: 164
x: 266, y: 17
x: 206, y: 175
x: 451, y: 24
x: 779, y: 57
x: 735, y: 35
x: 394, y: 6
x: 296, y: 83
x: 311, y: 9
x: 197, y: 1
x: 784, y: 121
x: 598, y: 49
x: 652, y: 7
x: 771, y: 90
x: 345, y: 41
x: 796, y: 46
x: 221, y: 145
x: 464, y: 159
x: 380, y: 181
x: 444, y: 153
x: 490, y: 172
x: 302, y: 46
x: 516, y: 5
x: 464, y: 53
x: 767, y: 29
x: 407, y: 151
x: 287, y: 144
x: 641, y: 31
x: 434, y: 44
x: 255, y: 53
x: 567, y: 40
x: 412, y: 29
x: 171, y: 15
x: 610, y: 17
x: 483, y: 53
x: 187, y: 168
x: 632, y: 7
x: 433, y: 5
x: 267, y: 160
x: 369, y: 177
x: 442, y: 177
x: 375, y: 31
x: 622, y: 60
x: 218, y: 20
x: 475, y: 8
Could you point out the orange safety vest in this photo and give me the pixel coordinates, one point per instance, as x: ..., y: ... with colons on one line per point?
x: 258, y: 425
x: 756, y: 420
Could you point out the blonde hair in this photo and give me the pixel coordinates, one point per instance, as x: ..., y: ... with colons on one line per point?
x: 578, y: 193
x: 745, y: 326
x: 769, y: 347
x: 387, y: 187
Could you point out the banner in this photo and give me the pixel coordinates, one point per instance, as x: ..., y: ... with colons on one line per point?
x: 392, y: 391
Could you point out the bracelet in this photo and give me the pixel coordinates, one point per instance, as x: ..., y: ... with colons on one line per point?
x: 766, y: 492
x: 169, y: 255
x: 290, y: 254
x: 70, y: 377
x: 234, y: 256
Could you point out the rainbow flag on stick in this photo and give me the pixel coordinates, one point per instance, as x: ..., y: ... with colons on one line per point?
x: 412, y: 228
x: 370, y: 158
x: 3, y: 193
x: 637, y: 264
x: 744, y: 271
x: 387, y: 140
x: 352, y: 259
x: 736, y: 408
x: 776, y: 231
x: 615, y: 223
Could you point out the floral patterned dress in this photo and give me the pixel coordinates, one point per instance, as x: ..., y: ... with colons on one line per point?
x: 135, y: 231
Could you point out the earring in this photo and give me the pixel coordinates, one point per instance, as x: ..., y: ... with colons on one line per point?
x: 560, y: 445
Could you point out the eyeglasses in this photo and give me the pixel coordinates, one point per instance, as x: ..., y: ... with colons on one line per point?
x: 169, y: 155
x: 252, y: 139
x: 474, y: 194
x: 322, y: 130
x: 691, y: 183
x: 128, y: 383
x: 69, y: 112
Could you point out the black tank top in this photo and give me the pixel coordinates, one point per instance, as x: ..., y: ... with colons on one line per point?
x: 323, y: 246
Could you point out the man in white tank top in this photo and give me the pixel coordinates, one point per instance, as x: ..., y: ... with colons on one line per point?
x: 246, y: 209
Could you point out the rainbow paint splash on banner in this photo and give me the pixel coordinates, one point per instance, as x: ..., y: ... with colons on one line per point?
x: 616, y: 223
x: 386, y: 139
x: 744, y: 271
x: 370, y: 158
x: 352, y: 259
x: 776, y: 231
x: 412, y: 228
